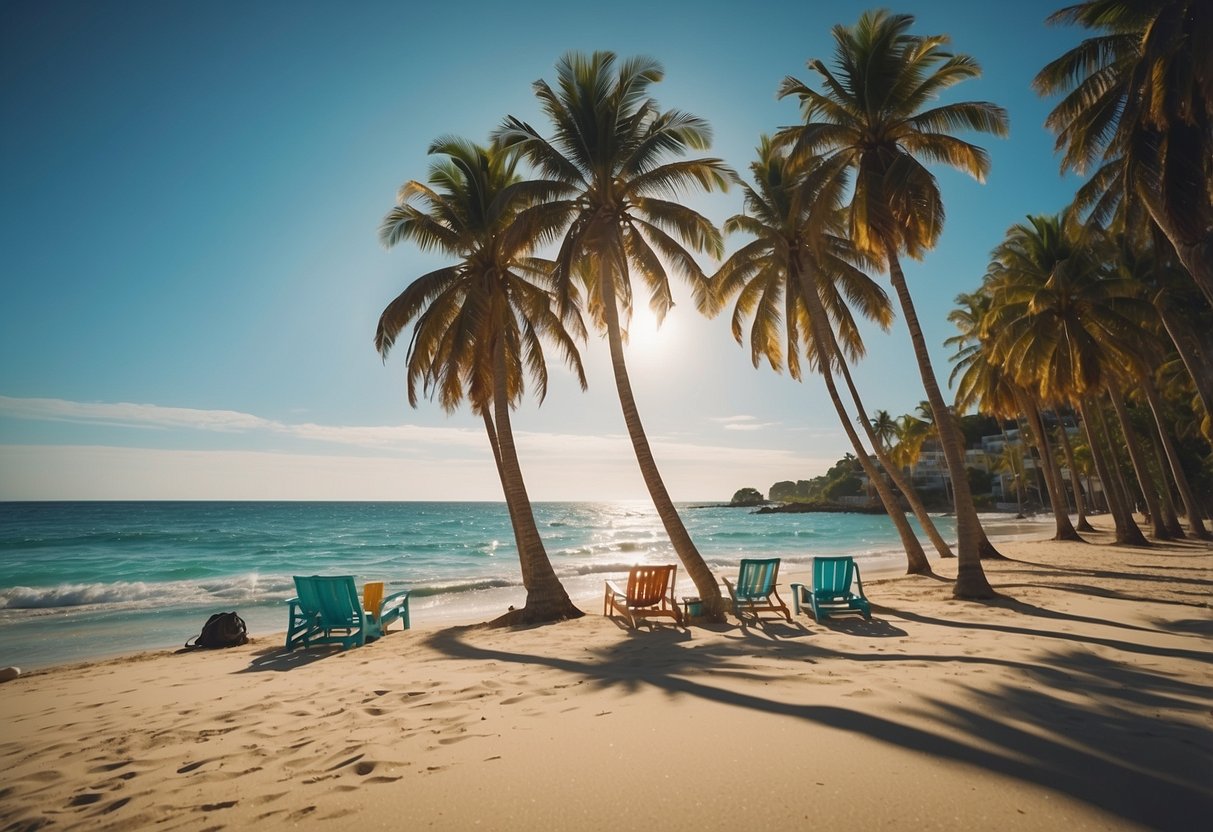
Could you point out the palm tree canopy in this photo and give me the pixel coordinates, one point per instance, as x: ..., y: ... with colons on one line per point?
x: 468, y: 209
x: 1062, y: 317
x: 795, y: 235
x: 877, y: 116
x: 618, y: 157
x: 1137, y: 102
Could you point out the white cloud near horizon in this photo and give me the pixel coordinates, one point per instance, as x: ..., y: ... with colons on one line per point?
x: 399, y: 462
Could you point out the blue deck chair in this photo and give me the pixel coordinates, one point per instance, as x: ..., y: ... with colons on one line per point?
x: 755, y: 588
x: 327, y: 611
x: 831, y: 592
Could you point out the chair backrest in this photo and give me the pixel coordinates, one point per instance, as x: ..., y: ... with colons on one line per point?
x: 647, y: 585
x: 335, y: 599
x: 757, y: 577
x: 372, y: 596
x: 833, y: 574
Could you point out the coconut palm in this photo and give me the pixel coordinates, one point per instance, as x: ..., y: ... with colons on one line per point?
x: 795, y: 269
x: 1137, y: 106
x: 621, y: 159
x: 1010, y: 461
x: 885, y: 428
x: 986, y: 382
x: 1059, y: 319
x: 479, y: 324
x: 874, y: 120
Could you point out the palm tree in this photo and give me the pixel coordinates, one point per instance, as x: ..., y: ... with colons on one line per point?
x: 1010, y: 461
x: 872, y: 120
x: 478, y: 324
x: 619, y: 157
x: 1138, y: 103
x: 1058, y: 318
x: 885, y: 428
x: 986, y: 381
x: 785, y: 278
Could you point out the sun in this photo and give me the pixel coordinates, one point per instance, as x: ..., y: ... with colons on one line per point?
x: 645, y: 338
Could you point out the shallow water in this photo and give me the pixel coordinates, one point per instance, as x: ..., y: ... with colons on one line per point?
x: 83, y: 580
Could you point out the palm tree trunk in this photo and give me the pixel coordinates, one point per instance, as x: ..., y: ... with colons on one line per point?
x: 1080, y: 502
x: 1145, y: 480
x: 894, y: 470
x: 1195, y: 524
x: 1165, y: 494
x: 1127, y: 533
x: 971, y: 582
x: 684, y: 547
x: 823, y: 339
x: 546, y: 599
x: 1063, y: 528
x: 1194, y: 358
x: 1195, y: 253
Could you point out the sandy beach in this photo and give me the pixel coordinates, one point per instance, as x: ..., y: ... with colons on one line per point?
x: 1084, y: 700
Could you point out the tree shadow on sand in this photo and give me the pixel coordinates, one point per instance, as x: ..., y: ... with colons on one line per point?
x: 1077, y: 723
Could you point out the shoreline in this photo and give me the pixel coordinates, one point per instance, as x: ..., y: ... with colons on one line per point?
x: 78, y: 630
x: 1081, y: 700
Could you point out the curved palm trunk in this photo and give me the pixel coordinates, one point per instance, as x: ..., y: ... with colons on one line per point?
x: 1080, y: 502
x: 1196, y: 253
x: 546, y: 599
x: 1145, y: 480
x: 1063, y: 528
x: 1195, y: 524
x: 1127, y: 533
x: 894, y: 470
x: 1194, y: 358
x: 916, y: 558
x: 970, y: 577
x: 684, y: 547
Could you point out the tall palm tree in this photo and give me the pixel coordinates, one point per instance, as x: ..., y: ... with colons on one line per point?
x: 1059, y: 317
x: 785, y: 278
x: 478, y: 324
x: 874, y: 120
x: 621, y: 159
x: 1138, y: 105
x: 986, y: 381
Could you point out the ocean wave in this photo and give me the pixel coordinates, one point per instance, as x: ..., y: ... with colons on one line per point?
x: 144, y: 593
x: 462, y: 586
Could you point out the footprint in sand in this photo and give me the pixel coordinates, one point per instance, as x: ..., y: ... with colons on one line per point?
x: 188, y: 767
x: 86, y: 799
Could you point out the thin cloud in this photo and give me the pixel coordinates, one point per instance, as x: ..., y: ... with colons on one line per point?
x: 742, y: 422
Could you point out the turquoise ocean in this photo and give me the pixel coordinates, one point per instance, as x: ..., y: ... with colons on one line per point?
x: 83, y: 580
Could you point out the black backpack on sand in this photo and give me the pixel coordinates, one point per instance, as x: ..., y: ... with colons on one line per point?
x: 223, y: 629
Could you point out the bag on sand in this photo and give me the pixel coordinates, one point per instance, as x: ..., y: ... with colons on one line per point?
x: 223, y: 629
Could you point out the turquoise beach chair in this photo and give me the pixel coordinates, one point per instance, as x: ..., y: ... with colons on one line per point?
x: 831, y: 591
x: 327, y: 611
x: 755, y: 588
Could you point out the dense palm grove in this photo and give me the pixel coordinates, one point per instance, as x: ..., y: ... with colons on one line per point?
x: 1101, y: 317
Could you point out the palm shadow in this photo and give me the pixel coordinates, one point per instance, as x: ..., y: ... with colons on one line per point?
x: 1149, y: 771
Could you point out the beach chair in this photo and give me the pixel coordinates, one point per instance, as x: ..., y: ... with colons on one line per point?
x: 755, y: 588
x: 327, y: 611
x: 650, y: 593
x: 831, y: 591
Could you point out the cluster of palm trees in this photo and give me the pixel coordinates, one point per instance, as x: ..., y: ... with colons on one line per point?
x: 843, y: 193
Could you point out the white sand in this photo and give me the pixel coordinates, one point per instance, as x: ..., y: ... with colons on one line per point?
x: 1081, y: 702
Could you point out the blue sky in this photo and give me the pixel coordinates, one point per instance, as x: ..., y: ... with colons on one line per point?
x: 190, y: 194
